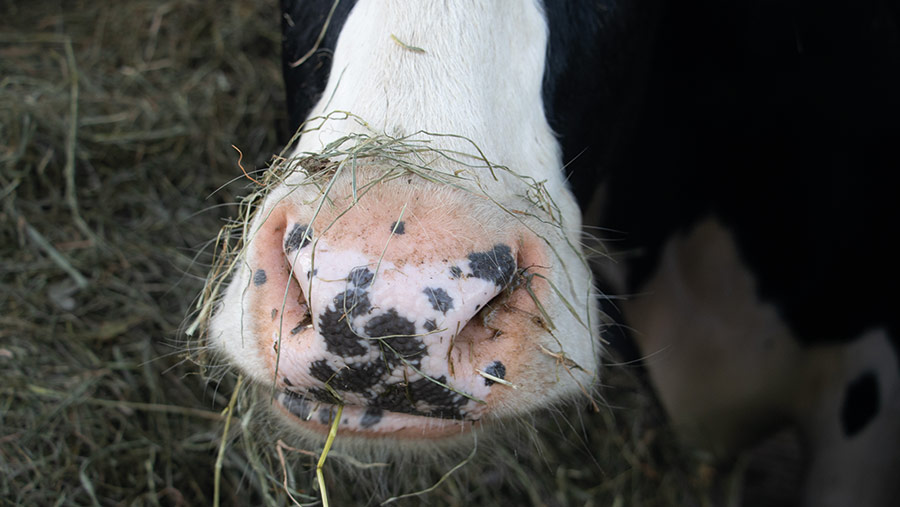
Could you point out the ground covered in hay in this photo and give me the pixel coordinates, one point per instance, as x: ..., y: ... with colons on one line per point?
x: 116, y: 170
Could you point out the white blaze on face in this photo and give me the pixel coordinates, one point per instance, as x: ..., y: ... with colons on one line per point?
x: 395, y: 325
x: 479, y: 78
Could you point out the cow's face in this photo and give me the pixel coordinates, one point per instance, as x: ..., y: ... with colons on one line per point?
x: 420, y: 299
x: 427, y: 283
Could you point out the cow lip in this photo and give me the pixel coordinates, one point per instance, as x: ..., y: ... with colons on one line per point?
x: 392, y: 424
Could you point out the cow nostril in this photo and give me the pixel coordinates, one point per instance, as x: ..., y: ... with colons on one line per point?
x: 302, y: 305
x: 306, y: 321
x: 487, y: 313
x: 520, y: 295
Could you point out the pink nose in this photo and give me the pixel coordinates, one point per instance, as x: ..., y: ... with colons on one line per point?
x: 383, y: 329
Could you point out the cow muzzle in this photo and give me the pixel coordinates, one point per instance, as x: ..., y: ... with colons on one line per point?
x: 411, y: 321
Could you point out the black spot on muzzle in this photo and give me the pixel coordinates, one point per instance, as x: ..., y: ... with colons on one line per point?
x: 439, y: 299
x: 356, y: 377
x: 422, y: 397
x: 495, y: 369
x: 396, y: 332
x: 496, y: 265
x: 298, y: 237
x: 398, y: 227
x: 371, y: 417
x: 335, y: 328
x: 259, y: 277
x: 361, y: 277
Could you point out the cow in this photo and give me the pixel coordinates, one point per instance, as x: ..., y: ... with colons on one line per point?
x: 415, y: 272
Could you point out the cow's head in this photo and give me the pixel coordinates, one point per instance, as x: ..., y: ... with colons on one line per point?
x: 416, y: 259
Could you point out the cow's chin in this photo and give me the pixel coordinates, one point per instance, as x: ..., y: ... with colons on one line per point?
x: 394, y: 426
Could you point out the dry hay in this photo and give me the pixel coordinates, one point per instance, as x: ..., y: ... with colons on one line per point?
x: 116, y: 169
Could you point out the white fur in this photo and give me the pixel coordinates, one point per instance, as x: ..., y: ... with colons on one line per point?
x: 480, y: 78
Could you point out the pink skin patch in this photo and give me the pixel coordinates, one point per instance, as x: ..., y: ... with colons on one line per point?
x: 396, y: 335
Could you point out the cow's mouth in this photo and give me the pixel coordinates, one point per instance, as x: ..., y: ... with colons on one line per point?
x: 319, y: 418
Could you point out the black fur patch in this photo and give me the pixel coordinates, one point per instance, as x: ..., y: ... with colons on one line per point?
x: 296, y: 404
x: 301, y: 24
x: 361, y: 277
x: 321, y: 370
x: 496, y: 265
x: 371, y: 417
x: 439, y: 299
x: 389, y: 324
x: 430, y: 325
x: 353, y: 301
x: 323, y: 395
x: 444, y: 402
x: 296, y: 238
x: 398, y: 227
x: 861, y: 404
x: 259, y: 277
x: 339, y: 338
x: 455, y: 272
x: 815, y: 146
x: 441, y: 402
x: 394, y: 399
x: 356, y: 377
x: 497, y: 369
x: 398, y: 330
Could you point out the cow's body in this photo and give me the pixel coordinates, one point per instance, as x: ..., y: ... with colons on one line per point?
x: 746, y: 181
x: 763, y: 213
